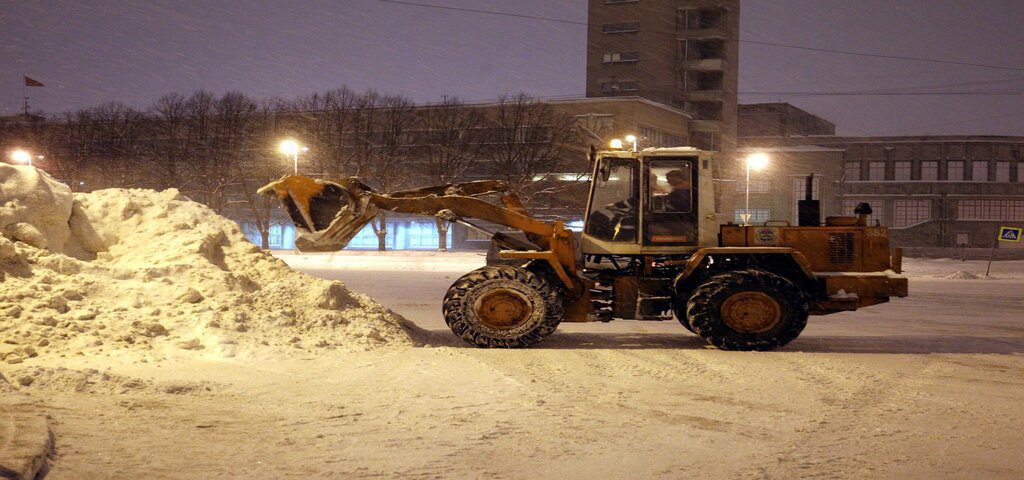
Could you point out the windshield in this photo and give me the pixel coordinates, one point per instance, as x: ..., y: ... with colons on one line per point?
x: 613, y: 206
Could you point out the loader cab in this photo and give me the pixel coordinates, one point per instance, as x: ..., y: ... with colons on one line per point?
x: 649, y: 202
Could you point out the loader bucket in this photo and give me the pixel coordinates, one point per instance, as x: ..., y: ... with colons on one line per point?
x: 326, y: 215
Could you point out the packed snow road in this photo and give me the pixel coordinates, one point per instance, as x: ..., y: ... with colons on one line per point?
x: 924, y: 387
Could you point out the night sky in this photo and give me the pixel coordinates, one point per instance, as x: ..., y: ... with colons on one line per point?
x: 88, y: 52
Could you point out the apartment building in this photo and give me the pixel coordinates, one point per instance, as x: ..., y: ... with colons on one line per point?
x: 681, y: 53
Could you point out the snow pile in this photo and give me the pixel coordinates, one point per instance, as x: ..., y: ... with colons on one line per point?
x: 962, y: 275
x: 153, y: 271
x: 91, y: 380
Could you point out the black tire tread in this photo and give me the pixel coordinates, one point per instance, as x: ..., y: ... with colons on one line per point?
x: 464, y: 329
x: 704, y: 313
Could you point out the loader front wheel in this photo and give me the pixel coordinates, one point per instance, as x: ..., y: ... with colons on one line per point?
x: 748, y: 310
x: 502, y: 306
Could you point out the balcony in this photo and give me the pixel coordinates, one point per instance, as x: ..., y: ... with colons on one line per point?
x: 704, y: 95
x: 701, y: 33
x: 706, y: 65
x: 713, y: 126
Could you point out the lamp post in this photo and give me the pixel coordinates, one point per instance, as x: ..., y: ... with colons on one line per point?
x: 291, y: 147
x: 755, y: 161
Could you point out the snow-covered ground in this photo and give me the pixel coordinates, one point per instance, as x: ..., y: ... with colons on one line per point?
x: 924, y: 387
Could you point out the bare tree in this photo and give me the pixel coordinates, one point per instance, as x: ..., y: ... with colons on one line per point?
x: 328, y: 121
x: 525, y: 143
x: 381, y: 148
x: 450, y: 149
x: 218, y: 134
x: 168, y: 148
x: 117, y: 133
x: 261, y: 165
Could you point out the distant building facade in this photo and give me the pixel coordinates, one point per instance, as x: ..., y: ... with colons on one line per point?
x: 936, y: 191
x: 681, y: 53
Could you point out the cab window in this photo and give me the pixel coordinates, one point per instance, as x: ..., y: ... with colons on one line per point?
x: 670, y: 217
x: 613, y: 204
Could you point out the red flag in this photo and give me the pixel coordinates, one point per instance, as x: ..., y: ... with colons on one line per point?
x: 29, y: 82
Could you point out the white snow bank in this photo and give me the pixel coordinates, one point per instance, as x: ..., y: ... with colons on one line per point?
x: 392, y: 261
x: 140, y: 270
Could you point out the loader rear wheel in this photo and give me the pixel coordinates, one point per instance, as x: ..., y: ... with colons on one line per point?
x: 502, y: 306
x: 748, y: 310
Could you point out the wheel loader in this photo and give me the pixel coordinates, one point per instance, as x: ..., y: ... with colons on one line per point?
x: 652, y: 248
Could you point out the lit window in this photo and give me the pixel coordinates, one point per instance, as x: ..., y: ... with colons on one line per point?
x: 877, y: 210
x: 1003, y: 172
x: 955, y: 171
x: 757, y: 215
x: 621, y: 57
x: 901, y: 171
x: 979, y: 171
x: 852, y: 172
x: 929, y: 171
x: 613, y: 87
x: 911, y: 212
x: 876, y: 172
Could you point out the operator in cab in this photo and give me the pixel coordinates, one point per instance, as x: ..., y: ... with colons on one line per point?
x: 679, y: 198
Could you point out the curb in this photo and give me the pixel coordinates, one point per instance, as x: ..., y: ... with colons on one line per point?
x: 26, y: 441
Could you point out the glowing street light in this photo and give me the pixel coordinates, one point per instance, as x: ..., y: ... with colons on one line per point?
x: 291, y: 147
x: 632, y: 140
x: 22, y: 156
x: 756, y: 161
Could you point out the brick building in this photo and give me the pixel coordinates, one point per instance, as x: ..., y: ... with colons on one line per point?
x: 681, y: 53
x: 935, y: 191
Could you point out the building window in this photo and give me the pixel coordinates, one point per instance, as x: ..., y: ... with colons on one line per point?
x: 962, y: 239
x: 955, y: 171
x: 911, y: 212
x: 1003, y: 172
x: 800, y: 193
x: 757, y: 215
x: 992, y: 210
x: 612, y: 88
x: 876, y: 171
x: 650, y: 137
x: 979, y: 171
x: 901, y: 171
x: 621, y: 57
x: 1015, y: 210
x: 851, y: 172
x: 877, y: 210
x: 929, y: 171
x: 629, y: 27
x: 756, y: 186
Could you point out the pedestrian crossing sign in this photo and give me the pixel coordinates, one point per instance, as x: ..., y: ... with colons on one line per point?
x: 1010, y: 234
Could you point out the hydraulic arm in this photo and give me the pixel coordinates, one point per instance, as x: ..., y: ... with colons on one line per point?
x: 327, y: 215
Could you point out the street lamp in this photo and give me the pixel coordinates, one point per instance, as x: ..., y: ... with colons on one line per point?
x: 632, y: 140
x: 22, y: 156
x: 757, y: 162
x: 291, y: 147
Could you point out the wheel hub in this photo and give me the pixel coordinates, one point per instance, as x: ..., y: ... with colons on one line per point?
x: 503, y: 309
x: 751, y: 312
